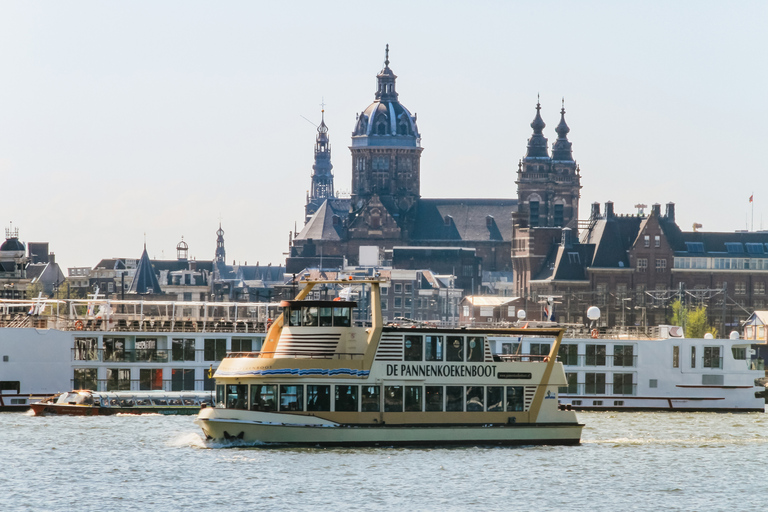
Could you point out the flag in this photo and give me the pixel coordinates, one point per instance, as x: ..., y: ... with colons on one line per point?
x: 549, y: 310
x: 751, y: 197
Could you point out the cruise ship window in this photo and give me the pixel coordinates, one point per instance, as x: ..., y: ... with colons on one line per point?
x: 318, y: 397
x: 569, y: 354
x: 239, y: 345
x: 393, y: 398
x: 214, y: 350
x: 433, y: 398
x: 181, y: 349
x: 346, y: 399
x: 370, y: 399
x: 455, y: 349
x: 495, y: 398
x: 264, y: 397
x: 539, y: 349
x: 413, y: 395
x: 515, y: 398
x: 712, y: 358
x: 475, y: 398
x: 623, y: 355
x: 595, y: 355
x: 413, y: 348
x: 114, y: 349
x: 594, y: 383
x: 622, y: 384
x: 433, y: 348
x: 475, y: 349
x: 236, y: 396
x: 454, y: 398
x: 291, y: 398
x: 676, y: 357
x: 693, y: 357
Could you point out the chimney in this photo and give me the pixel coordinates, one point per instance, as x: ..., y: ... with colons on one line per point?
x: 567, y: 238
x: 656, y: 209
x: 609, y: 210
x: 51, y: 258
x: 595, y: 211
x: 671, y: 211
x: 489, y: 221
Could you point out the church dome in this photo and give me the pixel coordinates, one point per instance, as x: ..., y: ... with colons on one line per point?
x: 386, y: 121
x: 12, y: 245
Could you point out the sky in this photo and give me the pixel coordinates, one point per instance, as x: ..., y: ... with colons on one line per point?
x: 125, y: 123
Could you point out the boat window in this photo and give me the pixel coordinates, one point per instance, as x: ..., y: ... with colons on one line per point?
x: 114, y: 349
x: 495, y: 398
x: 346, y: 399
x: 393, y: 398
x: 370, y: 399
x: 294, y: 317
x: 622, y: 384
x: 214, y: 349
x: 318, y: 397
x: 712, y: 358
x: 676, y: 356
x: 510, y: 348
x: 595, y: 355
x: 433, y: 398
x: 84, y: 378
x: 515, y: 399
x: 475, y: 398
x: 189, y: 401
x: 341, y: 317
x: 569, y: 354
x: 433, y: 348
x: 118, y: 379
x: 181, y: 349
x: 291, y: 398
x: 162, y: 401
x: 413, y: 398
x: 310, y: 317
x: 326, y: 317
x: 220, y: 396
x: 475, y: 348
x: 739, y: 352
x: 114, y: 402
x: 413, y: 348
x: 85, y: 349
x: 455, y: 349
x: 594, y: 383
x: 236, y: 396
x: 693, y: 357
x: 623, y: 355
x: 175, y: 401
x: 454, y: 398
x: 242, y: 345
x: 126, y: 402
x: 539, y: 349
x: 264, y: 397
x: 143, y: 402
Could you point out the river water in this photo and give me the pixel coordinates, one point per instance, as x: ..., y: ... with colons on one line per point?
x: 638, y: 461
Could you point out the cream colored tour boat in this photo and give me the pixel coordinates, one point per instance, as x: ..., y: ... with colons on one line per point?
x: 321, y: 380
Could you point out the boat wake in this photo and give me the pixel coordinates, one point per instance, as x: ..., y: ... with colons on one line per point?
x: 194, y: 440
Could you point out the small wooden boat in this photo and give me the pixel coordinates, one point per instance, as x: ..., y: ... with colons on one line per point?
x: 96, y: 403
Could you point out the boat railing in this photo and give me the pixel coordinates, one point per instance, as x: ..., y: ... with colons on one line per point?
x: 297, y: 354
x: 196, y: 386
x: 521, y: 358
x: 597, y: 388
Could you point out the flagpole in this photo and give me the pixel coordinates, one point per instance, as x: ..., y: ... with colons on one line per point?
x: 752, y: 200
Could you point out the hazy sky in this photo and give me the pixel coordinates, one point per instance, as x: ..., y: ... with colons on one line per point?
x: 120, y: 119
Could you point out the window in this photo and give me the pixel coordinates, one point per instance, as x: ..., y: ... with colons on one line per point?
x: 264, y: 397
x: 533, y: 207
x: 146, y: 350
x: 385, y: 290
x: 455, y: 349
x: 661, y: 265
x: 152, y: 379
x: 182, y: 350
x: 740, y: 288
x: 572, y: 386
x: 433, y: 348
x: 318, y: 397
x: 413, y: 348
x: 494, y: 398
x: 454, y: 398
x: 114, y: 349
x: 576, y: 402
x: 618, y: 403
x: 539, y: 349
x: 408, y: 302
x: 657, y: 241
x: 182, y: 379
x: 291, y: 398
x: 653, y: 383
x: 413, y: 398
x: 475, y: 398
x: 647, y: 241
x: 242, y: 345
x: 558, y: 220
x: 236, y: 396
x: 676, y: 357
x: 398, y: 302
x: 712, y: 357
x: 393, y: 398
x: 759, y: 288
x: 693, y: 357
x: 569, y: 354
x: 475, y: 348
x: 595, y: 355
x: 433, y: 398
x: 370, y: 399
x: 214, y: 350
x: 408, y: 289
x: 509, y: 348
x: 515, y: 398
x: 11, y: 385
x: 594, y: 383
x: 623, y: 355
x: 398, y: 288
x: 118, y: 379
x: 739, y: 353
x: 597, y: 402
x: 622, y: 384
x: 84, y: 378
x: 642, y: 264
x: 85, y: 350
x: 346, y: 399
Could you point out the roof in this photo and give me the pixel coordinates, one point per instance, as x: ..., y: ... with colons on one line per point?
x: 464, y: 219
x: 145, y: 280
x: 321, y: 226
x: 485, y: 300
x: 757, y: 318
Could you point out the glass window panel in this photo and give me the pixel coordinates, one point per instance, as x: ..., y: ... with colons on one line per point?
x: 413, y: 348
x: 413, y: 398
x: 236, y: 396
x: 318, y: 397
x: 455, y: 349
x: 393, y: 399
x: 515, y: 398
x: 291, y: 398
x: 454, y: 398
x: 433, y: 398
x: 475, y: 398
x: 346, y: 399
x: 370, y: 399
x: 264, y: 397
x: 495, y: 398
x: 475, y: 348
x: 433, y: 348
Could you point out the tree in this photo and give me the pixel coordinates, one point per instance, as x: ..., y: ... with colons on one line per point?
x: 693, y: 321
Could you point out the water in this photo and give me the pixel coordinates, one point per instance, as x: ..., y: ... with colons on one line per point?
x: 637, y: 461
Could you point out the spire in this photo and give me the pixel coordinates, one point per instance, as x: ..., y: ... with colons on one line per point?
x: 561, y: 149
x: 145, y: 280
x: 322, y: 177
x: 537, y: 144
x: 221, y: 255
x: 385, y: 90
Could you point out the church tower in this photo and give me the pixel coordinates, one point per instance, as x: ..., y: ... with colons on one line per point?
x: 386, y: 151
x: 322, y: 177
x: 221, y: 254
x: 548, y: 189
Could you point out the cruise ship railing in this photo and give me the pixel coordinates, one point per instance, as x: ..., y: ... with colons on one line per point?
x: 600, y: 361
x: 608, y: 388
x: 197, y: 385
x: 298, y: 354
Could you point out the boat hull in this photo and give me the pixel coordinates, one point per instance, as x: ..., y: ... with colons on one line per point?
x: 330, y: 434
x: 41, y: 409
